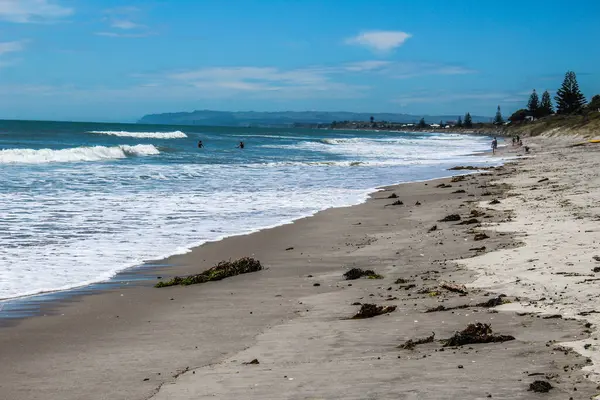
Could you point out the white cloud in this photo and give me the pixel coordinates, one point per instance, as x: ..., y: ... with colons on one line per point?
x: 406, y: 70
x: 125, y: 24
x: 444, y: 97
x: 124, y: 35
x: 266, y: 82
x: 29, y: 11
x: 7, y: 48
x: 11, y: 47
x: 362, y: 66
x: 124, y: 19
x: 380, y: 41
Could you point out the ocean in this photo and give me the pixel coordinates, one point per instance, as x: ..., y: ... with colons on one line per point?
x: 81, y: 201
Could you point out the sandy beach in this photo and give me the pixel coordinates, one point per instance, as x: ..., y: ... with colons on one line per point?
x: 294, y: 317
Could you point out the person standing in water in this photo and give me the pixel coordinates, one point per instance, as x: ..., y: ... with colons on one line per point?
x: 200, y: 144
x: 494, y: 145
x: 241, y: 145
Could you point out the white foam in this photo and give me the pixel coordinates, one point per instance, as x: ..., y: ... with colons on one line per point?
x: 149, y: 135
x: 81, y: 223
x: 75, y: 154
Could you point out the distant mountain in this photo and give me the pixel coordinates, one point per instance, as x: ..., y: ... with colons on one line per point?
x: 284, y: 118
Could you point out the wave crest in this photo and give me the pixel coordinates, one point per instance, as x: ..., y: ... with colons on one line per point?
x: 76, y: 154
x: 141, y: 135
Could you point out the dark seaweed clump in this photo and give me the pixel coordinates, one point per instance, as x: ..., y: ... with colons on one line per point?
x: 222, y: 270
x: 372, y: 310
x: 476, y: 333
x: 357, y: 273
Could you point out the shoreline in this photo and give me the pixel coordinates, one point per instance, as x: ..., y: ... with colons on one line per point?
x: 190, y: 342
x: 127, y: 274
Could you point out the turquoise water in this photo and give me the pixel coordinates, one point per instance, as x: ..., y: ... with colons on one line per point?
x: 79, y: 202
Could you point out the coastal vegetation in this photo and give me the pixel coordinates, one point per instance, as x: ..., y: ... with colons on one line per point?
x: 569, y: 113
x: 222, y: 270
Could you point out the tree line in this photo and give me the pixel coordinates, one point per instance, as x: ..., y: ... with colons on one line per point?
x: 569, y: 101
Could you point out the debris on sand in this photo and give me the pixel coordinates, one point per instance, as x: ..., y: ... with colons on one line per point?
x: 459, y: 178
x: 432, y: 229
x: 477, y: 213
x: 596, y: 269
x: 401, y: 281
x: 496, y: 301
x: 289, y: 248
x: 410, y: 344
x: 450, y: 218
x: 470, y: 168
x: 540, y: 387
x: 597, y: 258
x: 454, y: 287
x: 357, y: 273
x: 476, y: 333
x: 470, y: 221
x: 495, y: 201
x: 459, y: 191
x: 253, y: 362
x: 393, y: 196
x: 482, y: 248
x: 480, y: 236
x: 443, y: 185
x: 418, y: 203
x: 437, y: 309
x: 222, y: 270
x: 543, y: 180
x: 396, y: 203
x: 372, y: 310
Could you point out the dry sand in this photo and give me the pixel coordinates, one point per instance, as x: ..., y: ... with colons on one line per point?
x: 192, y: 342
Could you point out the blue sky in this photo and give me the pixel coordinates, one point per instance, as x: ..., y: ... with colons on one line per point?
x: 118, y: 60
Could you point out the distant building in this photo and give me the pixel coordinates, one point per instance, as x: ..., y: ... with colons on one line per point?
x: 529, y: 118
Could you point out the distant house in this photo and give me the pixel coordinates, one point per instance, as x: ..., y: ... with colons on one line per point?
x: 435, y: 125
x: 529, y: 118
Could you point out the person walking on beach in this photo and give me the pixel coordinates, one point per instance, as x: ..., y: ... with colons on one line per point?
x: 494, y: 145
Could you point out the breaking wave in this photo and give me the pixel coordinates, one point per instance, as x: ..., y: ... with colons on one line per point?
x: 149, y: 135
x: 76, y: 154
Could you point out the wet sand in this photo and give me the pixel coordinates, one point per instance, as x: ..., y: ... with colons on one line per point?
x: 172, y: 343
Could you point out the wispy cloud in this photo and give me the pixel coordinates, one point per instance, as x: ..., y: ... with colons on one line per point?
x: 124, y: 19
x: 31, y: 11
x: 405, y: 70
x: 125, y: 24
x: 307, y: 80
x: 8, y: 48
x: 445, y: 97
x: 11, y: 47
x: 124, y: 35
x: 265, y: 80
x: 380, y: 41
x: 370, y: 65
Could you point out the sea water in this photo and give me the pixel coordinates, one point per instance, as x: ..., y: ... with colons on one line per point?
x: 80, y: 202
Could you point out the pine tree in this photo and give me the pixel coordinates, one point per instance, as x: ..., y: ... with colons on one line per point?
x: 459, y: 123
x: 468, y: 121
x: 533, y: 105
x: 594, y: 104
x: 569, y: 99
x: 422, y: 123
x: 498, y: 120
x: 546, y: 107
